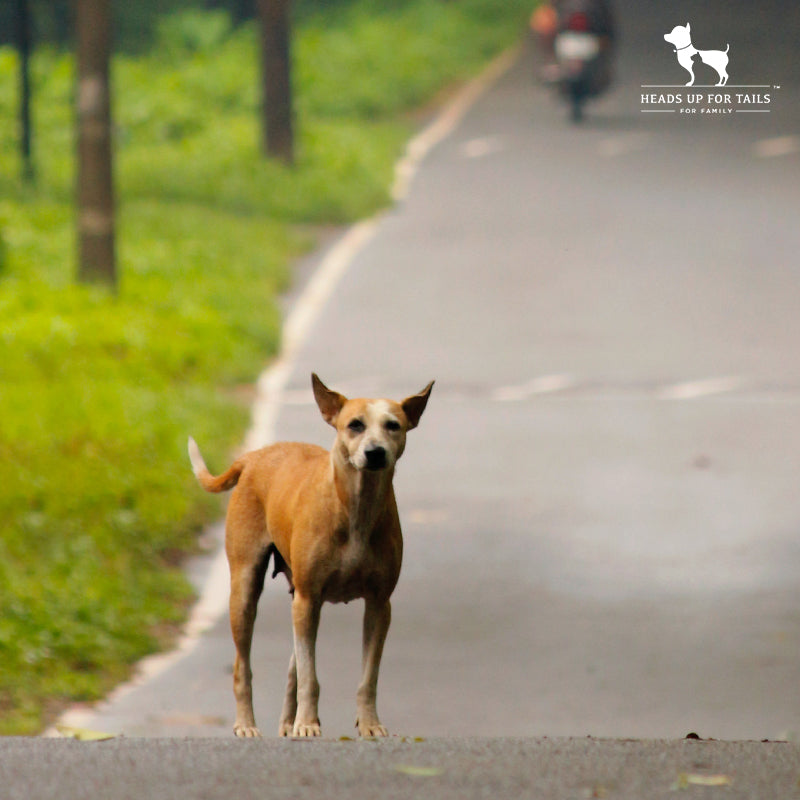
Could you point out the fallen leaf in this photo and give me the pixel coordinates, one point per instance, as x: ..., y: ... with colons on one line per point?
x: 417, y: 772
x: 83, y: 734
x: 709, y: 780
x: 687, y: 779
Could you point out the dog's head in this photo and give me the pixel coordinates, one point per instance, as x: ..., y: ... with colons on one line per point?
x: 679, y: 35
x: 370, y: 434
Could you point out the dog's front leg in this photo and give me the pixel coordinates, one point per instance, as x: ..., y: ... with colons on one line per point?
x: 305, y: 617
x: 377, y: 616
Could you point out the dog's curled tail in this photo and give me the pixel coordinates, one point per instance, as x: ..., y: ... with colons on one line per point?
x: 213, y: 483
x: 727, y: 47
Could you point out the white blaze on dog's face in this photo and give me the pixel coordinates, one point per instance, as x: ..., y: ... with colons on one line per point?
x: 371, y: 434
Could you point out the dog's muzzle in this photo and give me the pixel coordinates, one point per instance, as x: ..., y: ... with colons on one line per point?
x: 376, y: 458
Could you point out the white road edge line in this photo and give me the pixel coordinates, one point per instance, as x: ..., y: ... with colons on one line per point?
x: 212, y: 602
x: 447, y: 121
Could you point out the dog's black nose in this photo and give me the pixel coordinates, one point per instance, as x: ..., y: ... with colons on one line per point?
x: 376, y: 457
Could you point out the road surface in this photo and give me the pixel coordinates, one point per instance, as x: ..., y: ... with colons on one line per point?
x: 176, y: 769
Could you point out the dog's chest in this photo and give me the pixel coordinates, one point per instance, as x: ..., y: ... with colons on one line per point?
x: 356, y: 571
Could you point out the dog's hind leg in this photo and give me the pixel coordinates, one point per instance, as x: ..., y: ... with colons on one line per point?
x: 289, y: 711
x: 377, y: 617
x: 247, y: 582
x: 246, y: 586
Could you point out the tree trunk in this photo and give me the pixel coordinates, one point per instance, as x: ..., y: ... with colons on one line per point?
x: 24, y: 42
x: 95, y: 190
x: 277, y: 135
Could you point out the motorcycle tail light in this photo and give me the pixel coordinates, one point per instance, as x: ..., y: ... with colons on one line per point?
x: 578, y: 22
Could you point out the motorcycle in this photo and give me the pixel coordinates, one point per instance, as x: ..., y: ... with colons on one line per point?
x: 584, y: 48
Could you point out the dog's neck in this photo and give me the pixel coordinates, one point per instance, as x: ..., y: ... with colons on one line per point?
x: 686, y: 46
x: 363, y: 495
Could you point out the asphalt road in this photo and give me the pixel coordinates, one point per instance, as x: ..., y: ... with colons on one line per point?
x: 601, y: 504
x: 439, y: 768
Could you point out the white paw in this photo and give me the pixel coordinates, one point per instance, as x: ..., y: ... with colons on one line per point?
x: 302, y: 730
x: 246, y: 732
x: 371, y: 731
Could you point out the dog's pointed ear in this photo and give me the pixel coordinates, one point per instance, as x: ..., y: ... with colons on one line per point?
x: 414, y: 406
x: 330, y: 403
x: 688, y: 27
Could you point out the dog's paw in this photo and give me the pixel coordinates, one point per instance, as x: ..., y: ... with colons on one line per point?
x: 286, y: 727
x: 302, y: 730
x: 371, y: 731
x: 246, y: 732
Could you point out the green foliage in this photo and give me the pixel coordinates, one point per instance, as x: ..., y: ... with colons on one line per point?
x: 192, y: 31
x: 97, y: 398
x: 98, y: 393
x: 432, y: 43
x: 136, y: 23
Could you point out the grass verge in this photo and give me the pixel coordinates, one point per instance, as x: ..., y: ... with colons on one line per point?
x: 99, y: 392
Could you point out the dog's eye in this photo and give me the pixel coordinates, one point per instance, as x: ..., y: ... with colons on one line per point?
x: 356, y: 425
x: 392, y: 425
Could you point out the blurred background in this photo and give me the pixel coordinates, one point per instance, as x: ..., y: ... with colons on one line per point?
x: 600, y: 505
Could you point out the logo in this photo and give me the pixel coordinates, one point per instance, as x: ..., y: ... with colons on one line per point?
x: 680, y: 36
x: 720, y: 98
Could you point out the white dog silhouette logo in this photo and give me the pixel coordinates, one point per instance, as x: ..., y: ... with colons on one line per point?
x: 680, y: 37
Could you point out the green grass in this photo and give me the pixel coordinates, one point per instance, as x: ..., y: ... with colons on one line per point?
x: 98, y: 392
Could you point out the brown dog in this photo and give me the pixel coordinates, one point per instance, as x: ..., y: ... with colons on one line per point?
x: 329, y: 520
